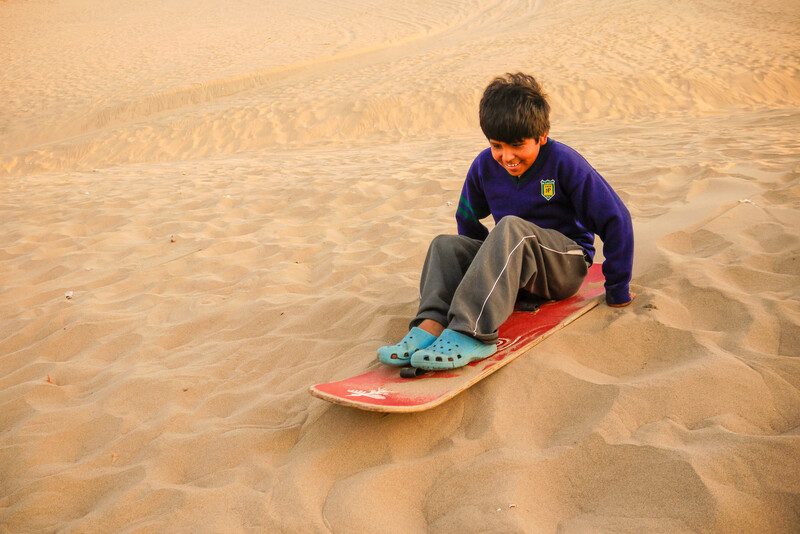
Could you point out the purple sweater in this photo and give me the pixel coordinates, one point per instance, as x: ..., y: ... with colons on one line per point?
x: 578, y: 203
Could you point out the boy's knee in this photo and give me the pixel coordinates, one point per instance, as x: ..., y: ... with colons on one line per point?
x: 455, y: 246
x: 514, y: 225
x: 443, y: 242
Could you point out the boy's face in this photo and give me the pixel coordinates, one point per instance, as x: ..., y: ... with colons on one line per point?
x: 516, y: 158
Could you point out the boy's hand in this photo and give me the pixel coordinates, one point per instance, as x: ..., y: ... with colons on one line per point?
x: 622, y: 305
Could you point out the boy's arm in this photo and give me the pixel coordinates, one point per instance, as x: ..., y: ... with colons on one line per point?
x: 603, y: 212
x: 472, y: 207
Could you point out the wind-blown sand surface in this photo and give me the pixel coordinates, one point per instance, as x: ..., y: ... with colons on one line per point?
x: 238, y: 197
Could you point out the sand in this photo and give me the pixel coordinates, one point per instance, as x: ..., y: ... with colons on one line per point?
x: 209, y: 206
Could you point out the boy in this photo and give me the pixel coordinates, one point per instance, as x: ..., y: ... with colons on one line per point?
x: 547, y: 203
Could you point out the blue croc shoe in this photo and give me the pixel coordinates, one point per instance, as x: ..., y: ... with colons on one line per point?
x: 451, y: 350
x: 400, y: 354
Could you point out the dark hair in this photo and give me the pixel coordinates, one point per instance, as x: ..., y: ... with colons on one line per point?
x: 514, y: 107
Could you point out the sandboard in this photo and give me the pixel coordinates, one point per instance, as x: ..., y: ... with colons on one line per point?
x: 383, y: 389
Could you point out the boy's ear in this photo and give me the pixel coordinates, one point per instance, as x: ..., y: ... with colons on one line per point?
x: 543, y: 138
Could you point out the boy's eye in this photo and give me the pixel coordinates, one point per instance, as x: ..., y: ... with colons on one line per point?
x: 515, y: 145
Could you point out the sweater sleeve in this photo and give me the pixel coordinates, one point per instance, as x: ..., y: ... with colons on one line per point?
x: 600, y: 209
x: 472, y: 206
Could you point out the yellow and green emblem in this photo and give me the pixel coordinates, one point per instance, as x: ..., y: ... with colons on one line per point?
x: 548, y: 189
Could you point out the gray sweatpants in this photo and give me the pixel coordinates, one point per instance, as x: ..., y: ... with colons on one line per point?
x: 471, y: 286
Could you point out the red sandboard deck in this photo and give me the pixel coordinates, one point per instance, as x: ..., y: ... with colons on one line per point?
x: 384, y: 390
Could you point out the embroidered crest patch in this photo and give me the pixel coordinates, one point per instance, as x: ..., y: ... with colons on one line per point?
x: 548, y: 189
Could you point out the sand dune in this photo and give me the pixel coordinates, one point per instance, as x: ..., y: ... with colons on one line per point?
x: 237, y: 198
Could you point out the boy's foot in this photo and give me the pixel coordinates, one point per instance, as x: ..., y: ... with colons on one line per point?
x: 451, y: 350
x: 400, y: 354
